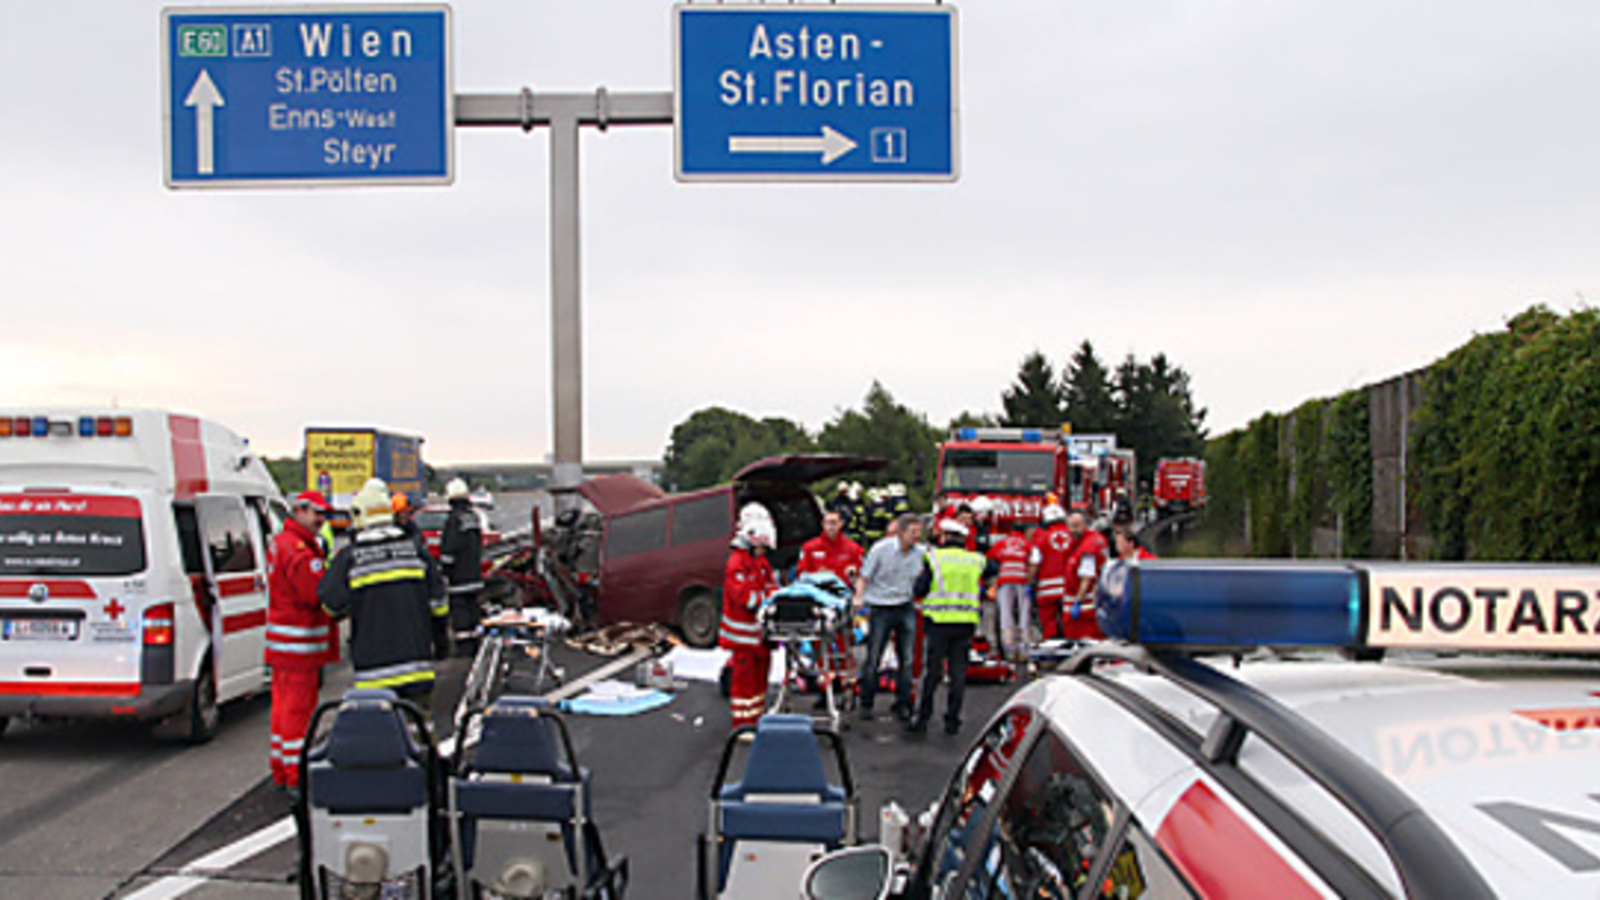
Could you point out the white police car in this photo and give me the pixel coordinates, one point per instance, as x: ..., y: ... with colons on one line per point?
x: 1144, y: 770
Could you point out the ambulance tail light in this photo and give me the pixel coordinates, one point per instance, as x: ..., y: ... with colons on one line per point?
x: 85, y: 426
x: 122, y: 426
x: 5, y: 427
x: 41, y: 426
x: 158, y: 624
x: 102, y: 426
x: 1231, y: 605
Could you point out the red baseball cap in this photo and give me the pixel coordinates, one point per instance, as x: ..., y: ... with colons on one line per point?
x: 313, y: 499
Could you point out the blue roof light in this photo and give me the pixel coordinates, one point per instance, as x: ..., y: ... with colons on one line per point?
x: 1032, y: 435
x: 86, y: 426
x: 1232, y: 605
x: 967, y: 434
x: 41, y: 426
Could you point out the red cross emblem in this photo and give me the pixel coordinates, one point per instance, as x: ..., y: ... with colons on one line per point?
x: 115, y: 609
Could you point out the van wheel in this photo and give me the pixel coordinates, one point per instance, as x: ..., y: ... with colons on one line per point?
x: 698, y: 618
x: 202, y: 717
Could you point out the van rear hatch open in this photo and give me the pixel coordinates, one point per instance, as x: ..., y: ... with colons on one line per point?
x: 71, y: 596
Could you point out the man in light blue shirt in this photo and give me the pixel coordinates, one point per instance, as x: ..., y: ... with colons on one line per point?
x: 885, y: 586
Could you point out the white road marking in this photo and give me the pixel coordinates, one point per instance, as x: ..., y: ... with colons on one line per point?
x: 196, y: 873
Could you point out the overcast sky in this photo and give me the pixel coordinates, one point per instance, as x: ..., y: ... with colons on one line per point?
x: 1287, y: 198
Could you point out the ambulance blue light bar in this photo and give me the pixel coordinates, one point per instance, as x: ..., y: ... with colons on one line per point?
x: 1225, y: 605
x: 87, y: 426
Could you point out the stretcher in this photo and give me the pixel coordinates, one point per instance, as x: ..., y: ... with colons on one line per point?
x: 810, y: 619
x: 513, y: 658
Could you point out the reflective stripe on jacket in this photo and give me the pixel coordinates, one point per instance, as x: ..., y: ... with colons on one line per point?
x: 395, y: 602
x: 299, y: 631
x: 747, y: 580
x: 953, y: 595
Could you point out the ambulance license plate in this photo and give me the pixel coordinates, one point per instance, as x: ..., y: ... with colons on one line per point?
x: 41, y: 629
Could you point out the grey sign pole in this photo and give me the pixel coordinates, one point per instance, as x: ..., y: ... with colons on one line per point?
x: 564, y: 114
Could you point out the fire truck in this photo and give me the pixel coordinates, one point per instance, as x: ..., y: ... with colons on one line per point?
x: 1180, y: 486
x: 1016, y: 469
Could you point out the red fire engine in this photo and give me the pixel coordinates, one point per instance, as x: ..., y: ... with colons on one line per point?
x: 1015, y: 468
x: 1180, y: 486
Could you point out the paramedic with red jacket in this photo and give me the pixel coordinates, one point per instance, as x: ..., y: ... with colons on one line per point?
x: 831, y: 551
x: 301, y: 637
x: 1085, y: 561
x: 748, y: 580
x: 1010, y: 552
x: 1047, y: 569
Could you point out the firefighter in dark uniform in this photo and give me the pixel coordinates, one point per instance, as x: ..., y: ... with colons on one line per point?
x: 394, y: 599
x: 461, y: 555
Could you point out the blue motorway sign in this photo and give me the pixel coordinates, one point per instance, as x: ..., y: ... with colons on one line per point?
x: 815, y: 93
x: 307, y: 95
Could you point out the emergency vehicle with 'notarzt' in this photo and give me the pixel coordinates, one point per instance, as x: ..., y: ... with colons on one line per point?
x: 133, y: 580
x: 1284, y: 730
x: 1013, y: 469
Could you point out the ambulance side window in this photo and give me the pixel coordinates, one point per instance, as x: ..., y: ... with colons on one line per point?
x: 189, y: 539
x: 267, y: 516
x: 227, y: 536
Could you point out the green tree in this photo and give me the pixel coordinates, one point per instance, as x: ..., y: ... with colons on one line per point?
x: 969, y: 419
x: 884, y: 427
x: 713, y: 443
x: 1156, y: 413
x: 1088, y: 401
x: 289, y: 472
x: 1035, y: 399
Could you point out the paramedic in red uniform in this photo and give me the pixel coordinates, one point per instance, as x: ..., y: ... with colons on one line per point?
x: 1047, y: 569
x: 831, y: 551
x: 1010, y: 551
x: 1085, y: 561
x: 748, y: 580
x: 300, y: 635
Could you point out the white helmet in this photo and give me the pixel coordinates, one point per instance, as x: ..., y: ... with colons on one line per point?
x: 896, y: 490
x: 372, y: 504
x: 756, y: 526
x: 953, y: 527
x: 855, y: 490
x: 455, y: 490
x: 981, y: 506
x: 1052, y: 514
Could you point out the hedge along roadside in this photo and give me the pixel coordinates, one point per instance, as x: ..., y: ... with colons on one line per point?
x: 1504, y: 456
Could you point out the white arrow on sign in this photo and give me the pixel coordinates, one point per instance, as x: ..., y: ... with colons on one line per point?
x: 204, y: 97
x: 831, y: 144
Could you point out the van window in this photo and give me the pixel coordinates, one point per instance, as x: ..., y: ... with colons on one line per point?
x: 226, y: 534
x: 701, y: 519
x: 70, y: 535
x: 638, y: 532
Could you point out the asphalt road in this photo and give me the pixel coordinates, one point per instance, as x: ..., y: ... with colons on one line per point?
x: 91, y: 811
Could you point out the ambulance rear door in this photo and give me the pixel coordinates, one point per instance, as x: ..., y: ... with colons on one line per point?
x: 70, y: 566
x: 235, y: 568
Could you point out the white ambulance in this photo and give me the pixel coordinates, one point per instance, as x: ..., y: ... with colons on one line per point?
x: 133, y: 579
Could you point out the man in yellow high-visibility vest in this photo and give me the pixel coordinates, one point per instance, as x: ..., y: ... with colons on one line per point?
x: 950, y: 585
